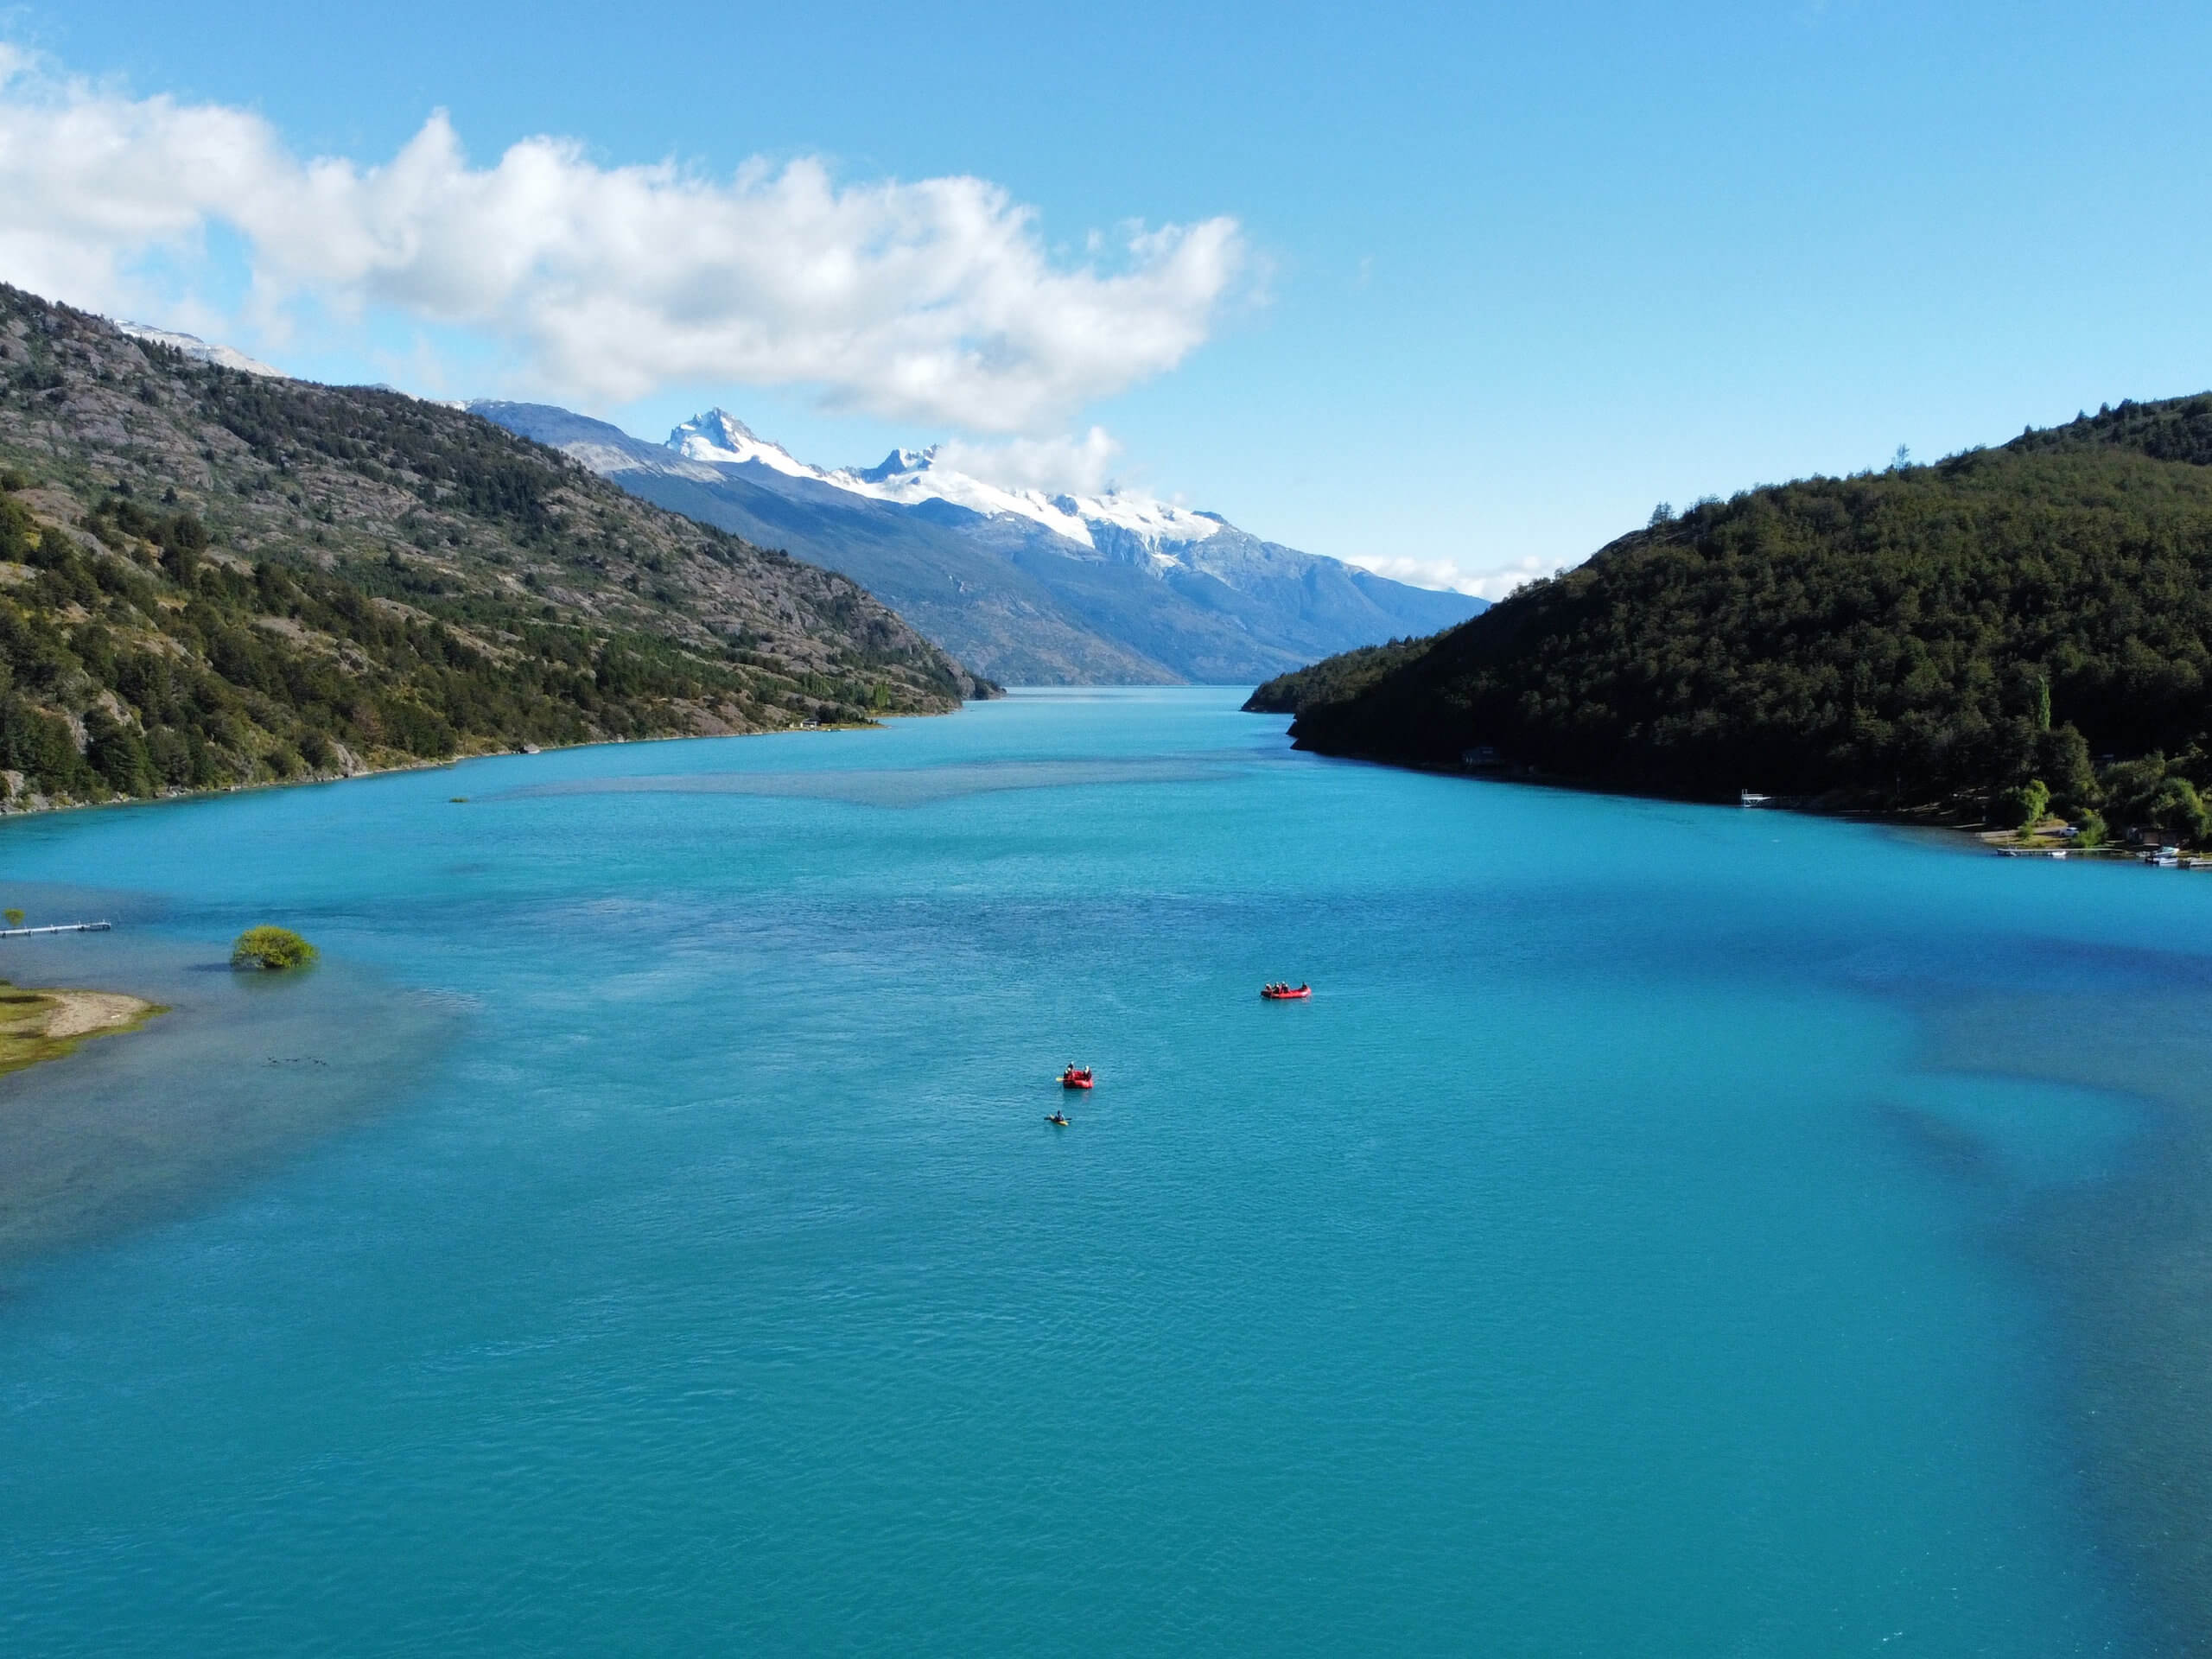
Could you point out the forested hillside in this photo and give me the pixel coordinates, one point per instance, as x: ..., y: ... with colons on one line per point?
x: 1936, y: 636
x: 210, y: 578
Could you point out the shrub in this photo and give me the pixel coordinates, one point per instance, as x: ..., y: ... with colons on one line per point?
x: 2089, y: 827
x: 2178, y: 810
x: 272, y: 948
x: 18, y: 530
x: 2022, y: 808
x: 117, y: 755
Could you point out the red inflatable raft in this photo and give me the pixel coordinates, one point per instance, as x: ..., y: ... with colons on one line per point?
x: 1076, y: 1077
x: 1285, y: 993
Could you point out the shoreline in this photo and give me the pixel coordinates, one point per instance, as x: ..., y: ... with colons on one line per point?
x: 14, y: 806
x: 1999, y: 843
x: 39, y: 1024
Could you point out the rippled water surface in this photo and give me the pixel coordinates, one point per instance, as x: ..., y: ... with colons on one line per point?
x: 1667, y: 1231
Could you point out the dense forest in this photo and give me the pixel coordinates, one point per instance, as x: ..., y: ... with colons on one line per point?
x: 210, y: 578
x: 1970, y: 637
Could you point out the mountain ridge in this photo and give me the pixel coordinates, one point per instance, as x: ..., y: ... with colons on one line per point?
x: 210, y: 578
x: 1024, y: 585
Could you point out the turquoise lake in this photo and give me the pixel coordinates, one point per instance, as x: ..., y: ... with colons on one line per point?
x: 1668, y: 1231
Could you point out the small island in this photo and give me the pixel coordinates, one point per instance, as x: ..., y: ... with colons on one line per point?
x: 271, y: 950
x: 47, y: 1025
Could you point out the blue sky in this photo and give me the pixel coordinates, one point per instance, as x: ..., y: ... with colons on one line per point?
x: 1503, y: 277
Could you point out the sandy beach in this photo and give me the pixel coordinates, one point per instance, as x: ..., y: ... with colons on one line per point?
x: 44, y: 1025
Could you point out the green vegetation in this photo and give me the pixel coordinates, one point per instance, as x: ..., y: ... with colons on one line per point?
x: 210, y: 579
x: 13, y: 916
x: 2022, y: 808
x: 1956, y: 637
x: 1337, y: 679
x: 39, y: 1026
x: 274, y: 948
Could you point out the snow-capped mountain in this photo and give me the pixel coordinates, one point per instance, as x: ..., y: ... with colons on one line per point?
x: 912, y: 476
x: 200, y: 351
x: 720, y: 439
x: 1026, y: 587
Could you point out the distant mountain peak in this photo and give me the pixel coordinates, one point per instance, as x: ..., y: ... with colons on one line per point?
x: 719, y: 436
x: 200, y: 351
x: 720, y: 423
x: 898, y: 464
x: 1031, y: 586
x: 1129, y: 526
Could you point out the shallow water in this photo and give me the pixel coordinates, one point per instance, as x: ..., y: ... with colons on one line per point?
x: 1667, y: 1229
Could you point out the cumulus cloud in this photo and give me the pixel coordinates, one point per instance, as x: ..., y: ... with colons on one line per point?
x: 935, y: 300
x: 1492, y: 584
x: 1496, y: 584
x: 1061, y: 465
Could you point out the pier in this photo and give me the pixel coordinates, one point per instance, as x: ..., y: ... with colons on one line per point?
x: 59, y: 927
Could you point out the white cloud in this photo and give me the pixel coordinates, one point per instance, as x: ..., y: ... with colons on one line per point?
x: 1496, y: 584
x: 1061, y: 465
x: 935, y: 300
x: 1492, y: 584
